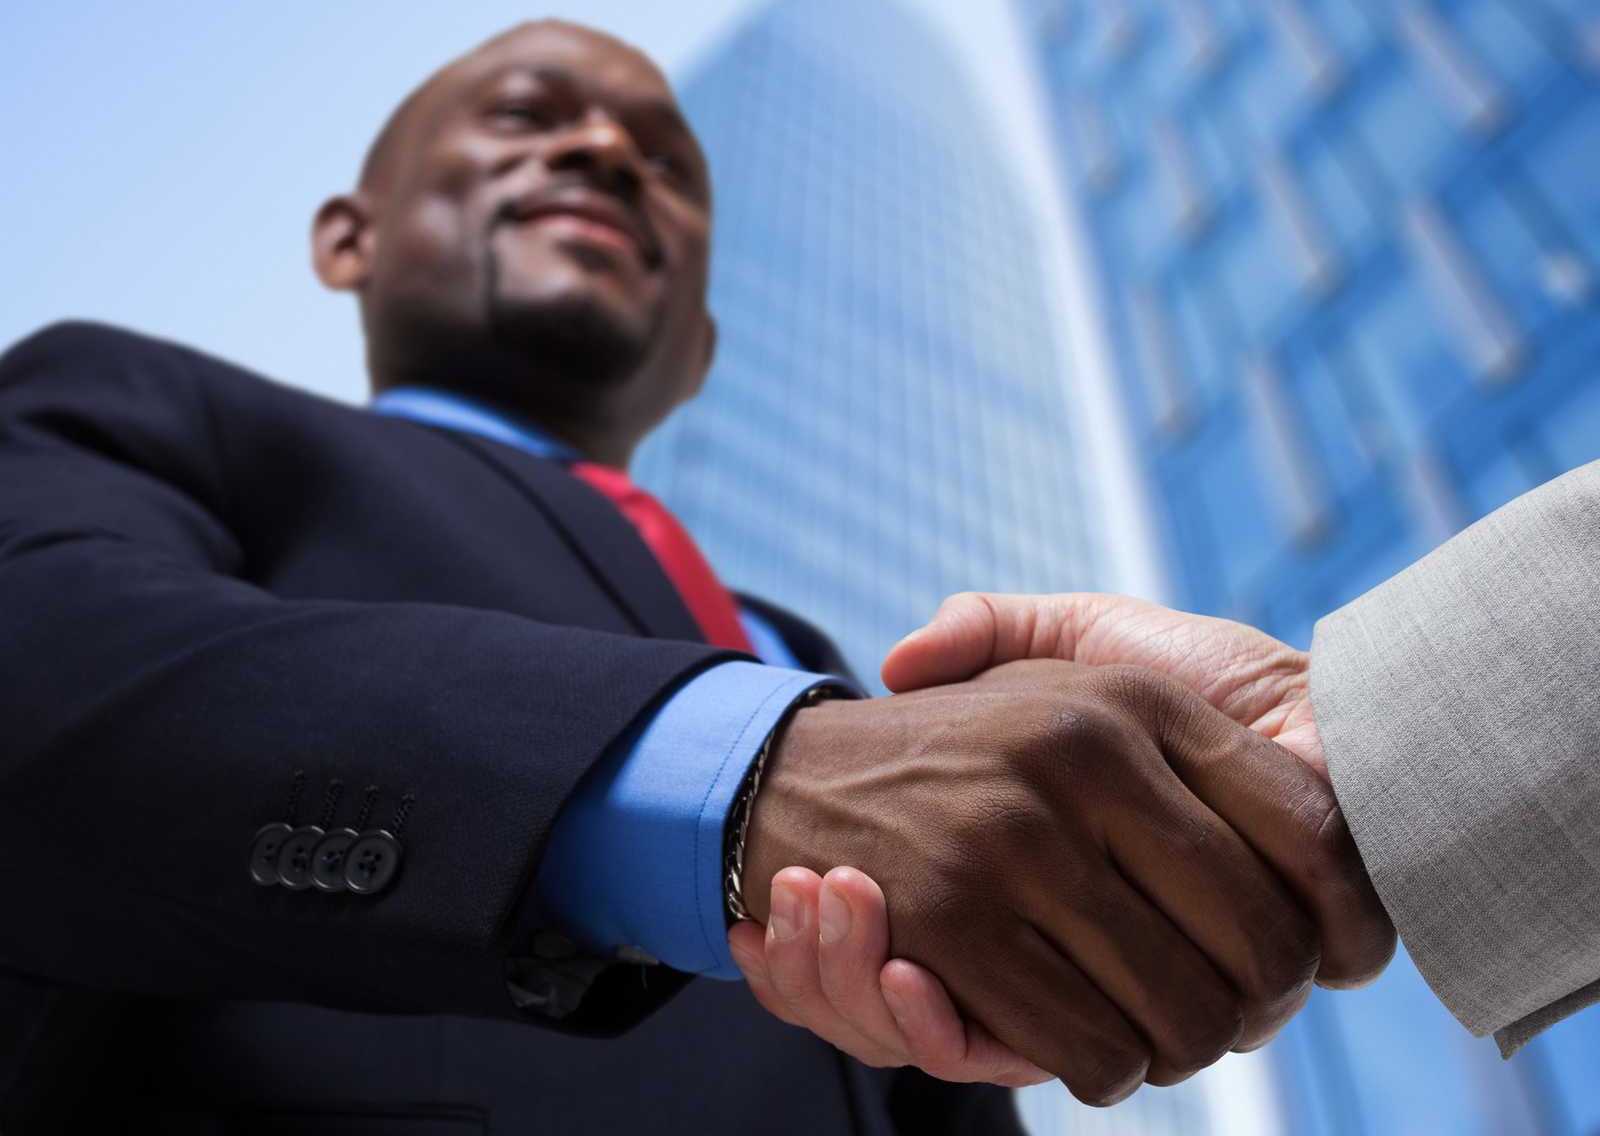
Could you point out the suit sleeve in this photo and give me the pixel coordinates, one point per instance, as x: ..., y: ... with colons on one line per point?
x: 1460, y: 710
x: 160, y: 707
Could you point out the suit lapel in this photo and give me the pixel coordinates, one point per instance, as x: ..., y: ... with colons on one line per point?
x: 599, y: 535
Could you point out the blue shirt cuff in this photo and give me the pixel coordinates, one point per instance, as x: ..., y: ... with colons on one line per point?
x: 635, y: 858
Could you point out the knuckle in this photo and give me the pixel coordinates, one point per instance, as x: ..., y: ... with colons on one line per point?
x: 1201, y: 1037
x: 1072, y: 740
x: 1109, y: 1076
x: 1287, y: 957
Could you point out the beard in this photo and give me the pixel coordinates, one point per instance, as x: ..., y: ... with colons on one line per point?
x: 572, y: 328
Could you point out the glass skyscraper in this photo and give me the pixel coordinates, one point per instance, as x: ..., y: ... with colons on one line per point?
x: 1347, y: 252
x: 887, y: 421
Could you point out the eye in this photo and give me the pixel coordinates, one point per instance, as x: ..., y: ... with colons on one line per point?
x: 522, y: 114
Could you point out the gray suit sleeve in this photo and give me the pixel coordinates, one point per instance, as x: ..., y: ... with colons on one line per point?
x: 1460, y: 710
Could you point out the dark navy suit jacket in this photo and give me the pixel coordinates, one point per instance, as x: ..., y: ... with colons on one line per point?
x: 219, y: 597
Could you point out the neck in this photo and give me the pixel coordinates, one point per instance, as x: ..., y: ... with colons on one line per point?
x: 582, y: 420
x: 595, y: 445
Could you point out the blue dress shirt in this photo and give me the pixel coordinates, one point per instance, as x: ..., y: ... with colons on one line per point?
x: 635, y: 857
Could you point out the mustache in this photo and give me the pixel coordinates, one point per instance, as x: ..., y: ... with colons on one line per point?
x: 581, y: 199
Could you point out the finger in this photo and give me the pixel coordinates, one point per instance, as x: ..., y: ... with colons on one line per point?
x: 1291, y: 818
x: 853, y: 947
x: 1218, y: 893
x: 1190, y: 1014
x: 792, y: 965
x: 745, y: 944
x: 1041, y: 1006
x: 939, y: 1042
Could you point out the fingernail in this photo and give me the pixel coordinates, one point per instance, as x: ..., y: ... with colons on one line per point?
x: 834, y: 915
x: 786, y: 916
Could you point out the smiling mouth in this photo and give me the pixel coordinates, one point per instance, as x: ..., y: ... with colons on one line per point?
x: 587, y: 229
x: 586, y: 221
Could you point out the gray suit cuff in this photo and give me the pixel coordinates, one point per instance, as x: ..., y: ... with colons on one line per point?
x: 1459, y: 709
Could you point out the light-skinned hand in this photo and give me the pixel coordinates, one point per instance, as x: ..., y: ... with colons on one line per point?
x: 830, y: 972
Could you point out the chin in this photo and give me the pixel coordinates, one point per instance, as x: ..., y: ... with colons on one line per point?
x: 576, y: 336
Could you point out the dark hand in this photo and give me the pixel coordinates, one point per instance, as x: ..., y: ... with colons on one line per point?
x: 1041, y: 835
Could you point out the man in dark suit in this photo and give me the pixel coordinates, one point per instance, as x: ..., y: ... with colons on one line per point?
x: 389, y: 771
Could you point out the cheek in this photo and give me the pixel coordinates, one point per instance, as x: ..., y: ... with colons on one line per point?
x: 436, y: 230
x: 691, y: 264
x: 432, y: 244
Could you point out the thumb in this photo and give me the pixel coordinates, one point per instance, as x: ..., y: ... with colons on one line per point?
x: 973, y: 631
x: 954, y: 645
x: 951, y: 647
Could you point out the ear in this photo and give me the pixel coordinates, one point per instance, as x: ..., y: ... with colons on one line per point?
x: 343, y: 240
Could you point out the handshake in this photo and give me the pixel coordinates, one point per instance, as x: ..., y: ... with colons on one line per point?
x: 1088, y: 838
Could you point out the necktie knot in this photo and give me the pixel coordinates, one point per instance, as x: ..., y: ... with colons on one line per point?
x: 614, y: 483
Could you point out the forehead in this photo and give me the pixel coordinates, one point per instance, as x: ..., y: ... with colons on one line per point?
x: 605, y: 66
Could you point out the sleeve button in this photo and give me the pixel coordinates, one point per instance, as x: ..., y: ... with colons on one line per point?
x: 371, y: 862
x: 294, y: 858
x: 327, y: 860
x: 264, y: 851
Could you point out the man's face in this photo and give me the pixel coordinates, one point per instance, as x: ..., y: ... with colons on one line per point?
x: 545, y: 195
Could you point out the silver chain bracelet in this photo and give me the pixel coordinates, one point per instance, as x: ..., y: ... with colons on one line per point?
x: 744, y: 804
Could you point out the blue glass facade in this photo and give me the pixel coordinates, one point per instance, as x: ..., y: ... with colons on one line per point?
x: 887, y: 420
x: 1349, y: 253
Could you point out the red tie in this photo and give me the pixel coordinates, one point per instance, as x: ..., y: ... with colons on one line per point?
x: 708, y: 601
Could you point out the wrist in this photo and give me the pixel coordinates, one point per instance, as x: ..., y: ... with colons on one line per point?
x: 784, y: 824
x: 751, y: 849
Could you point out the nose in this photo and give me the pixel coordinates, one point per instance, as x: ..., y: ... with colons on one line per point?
x: 600, y: 149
